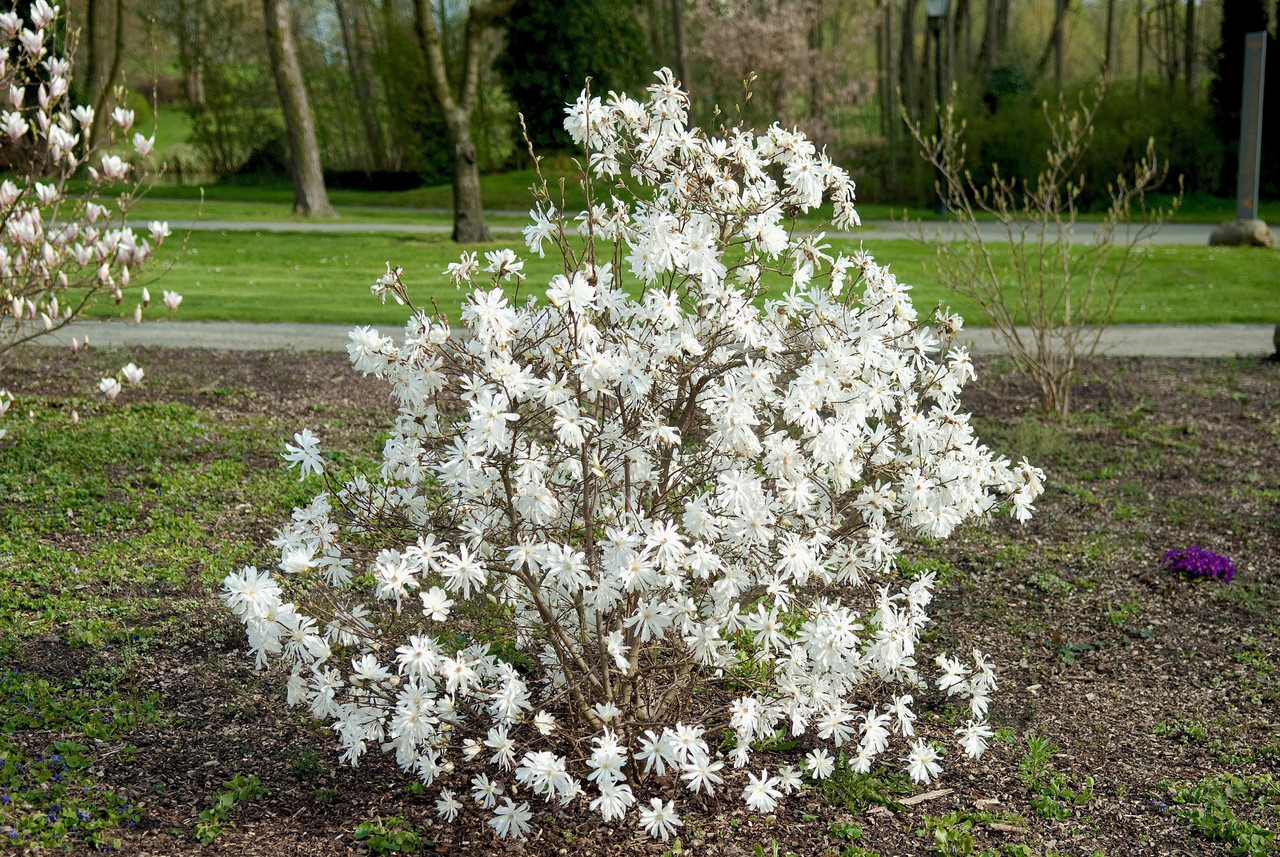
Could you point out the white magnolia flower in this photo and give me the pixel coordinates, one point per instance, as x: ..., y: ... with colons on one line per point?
x: 761, y: 793
x: 820, y: 764
x: 304, y: 451
x: 660, y: 820
x: 132, y: 374
x: 922, y: 762
x: 511, y: 821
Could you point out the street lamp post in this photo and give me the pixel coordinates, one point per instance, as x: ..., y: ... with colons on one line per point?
x: 938, y: 11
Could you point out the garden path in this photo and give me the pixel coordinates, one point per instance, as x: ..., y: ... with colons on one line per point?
x: 1191, y: 234
x: 1122, y: 340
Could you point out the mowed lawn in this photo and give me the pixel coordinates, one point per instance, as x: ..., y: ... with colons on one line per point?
x: 314, y: 277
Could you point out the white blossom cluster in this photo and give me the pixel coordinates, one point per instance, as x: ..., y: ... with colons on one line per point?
x: 640, y: 526
x: 58, y: 250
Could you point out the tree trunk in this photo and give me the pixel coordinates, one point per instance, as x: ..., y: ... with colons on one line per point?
x: 1142, y: 38
x: 988, y: 54
x: 1190, y: 48
x: 882, y: 68
x: 361, y: 88
x: 962, y: 26
x: 1055, y: 46
x: 309, y: 197
x: 682, y: 54
x: 1002, y: 28
x: 396, y: 151
x: 1108, y: 55
x: 908, y: 79
x: 93, y: 32
x: 103, y: 100
x: 190, y: 36
x: 469, y: 226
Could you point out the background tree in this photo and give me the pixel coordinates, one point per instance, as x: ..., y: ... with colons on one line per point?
x: 799, y: 52
x: 362, y: 86
x: 309, y: 197
x: 468, y: 212
x: 552, y: 47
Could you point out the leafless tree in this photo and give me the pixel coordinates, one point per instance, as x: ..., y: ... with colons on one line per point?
x: 309, y: 196
x: 457, y: 100
x: 1050, y: 302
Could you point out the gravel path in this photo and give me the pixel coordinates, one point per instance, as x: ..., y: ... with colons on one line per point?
x: 1122, y: 340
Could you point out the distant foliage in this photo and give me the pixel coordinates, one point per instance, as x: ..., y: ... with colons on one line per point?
x: 1009, y: 130
x: 553, y: 46
x: 798, y: 53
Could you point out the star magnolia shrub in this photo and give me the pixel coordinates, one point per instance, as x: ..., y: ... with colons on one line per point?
x: 59, y: 251
x: 639, y: 524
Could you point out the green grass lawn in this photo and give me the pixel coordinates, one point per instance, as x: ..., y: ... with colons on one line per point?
x: 509, y: 192
x: 182, y: 211
x: 310, y: 277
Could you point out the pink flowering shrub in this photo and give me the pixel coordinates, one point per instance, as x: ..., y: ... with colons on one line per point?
x: 58, y: 251
x: 647, y: 517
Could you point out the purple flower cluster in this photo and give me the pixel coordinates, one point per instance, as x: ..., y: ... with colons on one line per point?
x: 1198, y: 562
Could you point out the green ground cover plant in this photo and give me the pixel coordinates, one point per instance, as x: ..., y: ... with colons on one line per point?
x: 236, y: 792
x: 1206, y: 807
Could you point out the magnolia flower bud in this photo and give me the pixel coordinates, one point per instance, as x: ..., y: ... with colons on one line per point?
x: 14, y: 125
x: 113, y: 167
x: 146, y: 296
x: 47, y: 193
x: 143, y: 145
x: 123, y: 118
x: 137, y: 314
x: 42, y: 14
x: 32, y: 42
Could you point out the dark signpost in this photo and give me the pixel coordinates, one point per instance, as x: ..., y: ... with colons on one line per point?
x: 1255, y: 63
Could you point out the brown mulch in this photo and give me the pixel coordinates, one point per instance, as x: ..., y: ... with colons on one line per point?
x: 1098, y: 648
